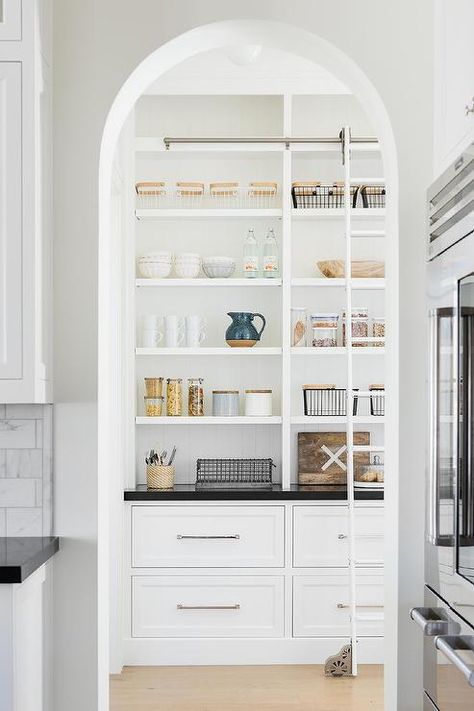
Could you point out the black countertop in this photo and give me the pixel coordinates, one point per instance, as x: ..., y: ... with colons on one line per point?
x: 188, y: 492
x: 20, y: 557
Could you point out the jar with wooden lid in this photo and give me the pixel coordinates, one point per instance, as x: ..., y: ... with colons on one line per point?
x: 360, y: 326
x: 225, y: 403
x: 378, y: 331
x: 153, y: 387
x: 195, y: 397
x: 174, y: 397
x: 258, y: 403
x: 154, y: 406
x: 298, y: 326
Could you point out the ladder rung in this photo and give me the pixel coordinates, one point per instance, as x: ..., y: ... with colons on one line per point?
x: 368, y: 233
x: 367, y: 181
x: 367, y: 617
x: 367, y: 448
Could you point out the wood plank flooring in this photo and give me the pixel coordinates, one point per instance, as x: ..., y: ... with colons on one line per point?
x: 253, y: 688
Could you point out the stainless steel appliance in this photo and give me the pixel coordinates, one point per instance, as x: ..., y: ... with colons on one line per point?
x: 447, y: 618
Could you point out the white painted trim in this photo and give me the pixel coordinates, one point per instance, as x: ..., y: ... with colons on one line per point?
x: 314, y: 48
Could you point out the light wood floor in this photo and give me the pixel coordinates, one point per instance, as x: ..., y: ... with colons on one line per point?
x: 262, y: 688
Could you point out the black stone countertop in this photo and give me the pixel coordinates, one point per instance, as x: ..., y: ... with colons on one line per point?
x: 188, y: 492
x: 20, y: 557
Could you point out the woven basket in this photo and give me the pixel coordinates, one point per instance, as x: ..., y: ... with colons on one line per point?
x: 159, y: 476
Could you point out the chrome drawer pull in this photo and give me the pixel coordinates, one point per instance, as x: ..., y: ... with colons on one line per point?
x: 341, y: 536
x: 179, y: 606
x: 345, y: 606
x: 432, y: 622
x: 232, y: 536
x: 450, y: 646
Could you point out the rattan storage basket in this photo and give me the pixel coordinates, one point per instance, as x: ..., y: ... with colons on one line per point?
x: 159, y: 476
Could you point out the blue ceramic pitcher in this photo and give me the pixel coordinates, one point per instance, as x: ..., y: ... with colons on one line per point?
x: 241, y: 332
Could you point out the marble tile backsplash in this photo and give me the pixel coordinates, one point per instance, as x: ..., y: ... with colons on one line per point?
x: 26, y: 470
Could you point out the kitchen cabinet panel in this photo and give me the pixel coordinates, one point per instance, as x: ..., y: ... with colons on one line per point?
x: 10, y: 20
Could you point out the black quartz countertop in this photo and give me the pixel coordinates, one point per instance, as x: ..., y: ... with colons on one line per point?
x: 188, y: 492
x: 20, y: 557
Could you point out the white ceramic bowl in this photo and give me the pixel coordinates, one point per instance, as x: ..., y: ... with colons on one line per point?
x: 154, y: 270
x: 187, y: 271
x: 157, y: 257
x: 218, y: 267
x: 187, y: 257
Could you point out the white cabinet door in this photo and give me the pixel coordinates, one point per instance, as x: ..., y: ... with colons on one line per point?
x: 321, y: 536
x: 207, y: 536
x: 10, y: 20
x: 454, y: 79
x: 207, y: 606
x: 28, y: 636
x: 11, y: 223
x: 321, y: 604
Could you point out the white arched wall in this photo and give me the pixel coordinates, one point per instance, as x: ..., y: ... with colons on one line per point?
x: 311, y: 47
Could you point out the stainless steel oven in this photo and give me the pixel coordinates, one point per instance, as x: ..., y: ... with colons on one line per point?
x: 447, y: 618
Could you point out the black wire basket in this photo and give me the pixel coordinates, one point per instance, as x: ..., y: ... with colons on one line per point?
x: 315, y: 195
x: 377, y: 402
x: 373, y: 195
x: 327, y: 402
x: 234, y: 473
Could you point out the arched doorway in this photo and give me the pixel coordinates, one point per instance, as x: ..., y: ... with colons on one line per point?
x: 299, y: 42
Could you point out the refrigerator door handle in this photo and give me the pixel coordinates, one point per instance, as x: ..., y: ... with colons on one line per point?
x: 450, y: 646
x: 433, y: 622
x: 433, y: 484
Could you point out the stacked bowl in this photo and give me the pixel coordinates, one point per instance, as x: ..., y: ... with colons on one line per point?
x: 155, y: 265
x: 187, y: 265
x: 218, y: 267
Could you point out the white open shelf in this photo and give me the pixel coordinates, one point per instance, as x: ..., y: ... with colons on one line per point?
x: 339, y: 351
x: 364, y: 284
x: 184, y: 420
x: 196, y: 213
x: 201, y: 282
x: 224, y: 351
x: 328, y: 213
x: 357, y: 420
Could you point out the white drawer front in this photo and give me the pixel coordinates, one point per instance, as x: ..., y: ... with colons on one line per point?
x: 207, y: 606
x: 320, y: 536
x: 207, y: 536
x: 320, y: 605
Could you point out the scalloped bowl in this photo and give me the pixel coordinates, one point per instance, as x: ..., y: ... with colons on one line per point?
x: 218, y: 267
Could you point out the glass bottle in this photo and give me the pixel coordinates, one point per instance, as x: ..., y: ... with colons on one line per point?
x: 251, y: 261
x: 270, y: 255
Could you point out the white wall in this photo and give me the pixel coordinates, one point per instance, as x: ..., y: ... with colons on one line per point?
x: 97, y: 44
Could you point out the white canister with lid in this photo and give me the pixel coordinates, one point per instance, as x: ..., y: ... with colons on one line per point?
x: 258, y: 403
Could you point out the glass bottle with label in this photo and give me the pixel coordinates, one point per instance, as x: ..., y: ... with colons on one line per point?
x: 270, y: 255
x: 251, y: 265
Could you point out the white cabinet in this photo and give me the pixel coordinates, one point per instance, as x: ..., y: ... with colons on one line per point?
x: 208, y: 606
x: 321, y: 604
x: 454, y: 80
x: 321, y: 536
x: 24, y: 634
x: 208, y: 536
x: 10, y: 20
x: 11, y: 247
x: 25, y: 205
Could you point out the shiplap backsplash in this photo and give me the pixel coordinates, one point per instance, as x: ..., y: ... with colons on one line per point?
x: 26, y: 470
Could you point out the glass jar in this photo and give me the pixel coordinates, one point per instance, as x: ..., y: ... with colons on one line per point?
x: 195, y: 397
x: 298, y: 326
x: 360, y: 326
x: 174, y: 397
x: 324, y: 337
x: 154, y: 406
x: 153, y: 387
x: 372, y: 473
x: 225, y: 403
x: 323, y: 320
x: 378, y: 331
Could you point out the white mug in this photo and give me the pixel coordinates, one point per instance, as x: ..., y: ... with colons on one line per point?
x: 194, y: 323
x: 151, y: 337
x: 173, y: 323
x: 194, y: 338
x: 173, y: 337
x: 151, y: 322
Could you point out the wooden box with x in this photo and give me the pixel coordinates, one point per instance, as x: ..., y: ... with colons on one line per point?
x: 322, y: 456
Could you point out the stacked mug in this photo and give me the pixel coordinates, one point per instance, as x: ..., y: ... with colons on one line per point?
x: 195, y: 333
x: 174, y: 331
x: 151, y: 331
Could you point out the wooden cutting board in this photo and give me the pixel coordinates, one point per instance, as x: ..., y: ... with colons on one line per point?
x: 322, y: 456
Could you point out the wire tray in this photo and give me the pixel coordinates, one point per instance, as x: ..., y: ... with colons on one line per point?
x: 327, y: 402
x: 316, y: 196
x: 234, y: 473
x: 236, y: 197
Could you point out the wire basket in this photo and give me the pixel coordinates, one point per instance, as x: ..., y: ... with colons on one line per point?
x: 314, y: 195
x: 377, y: 401
x: 373, y: 195
x: 327, y: 402
x: 234, y: 473
x: 219, y: 196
